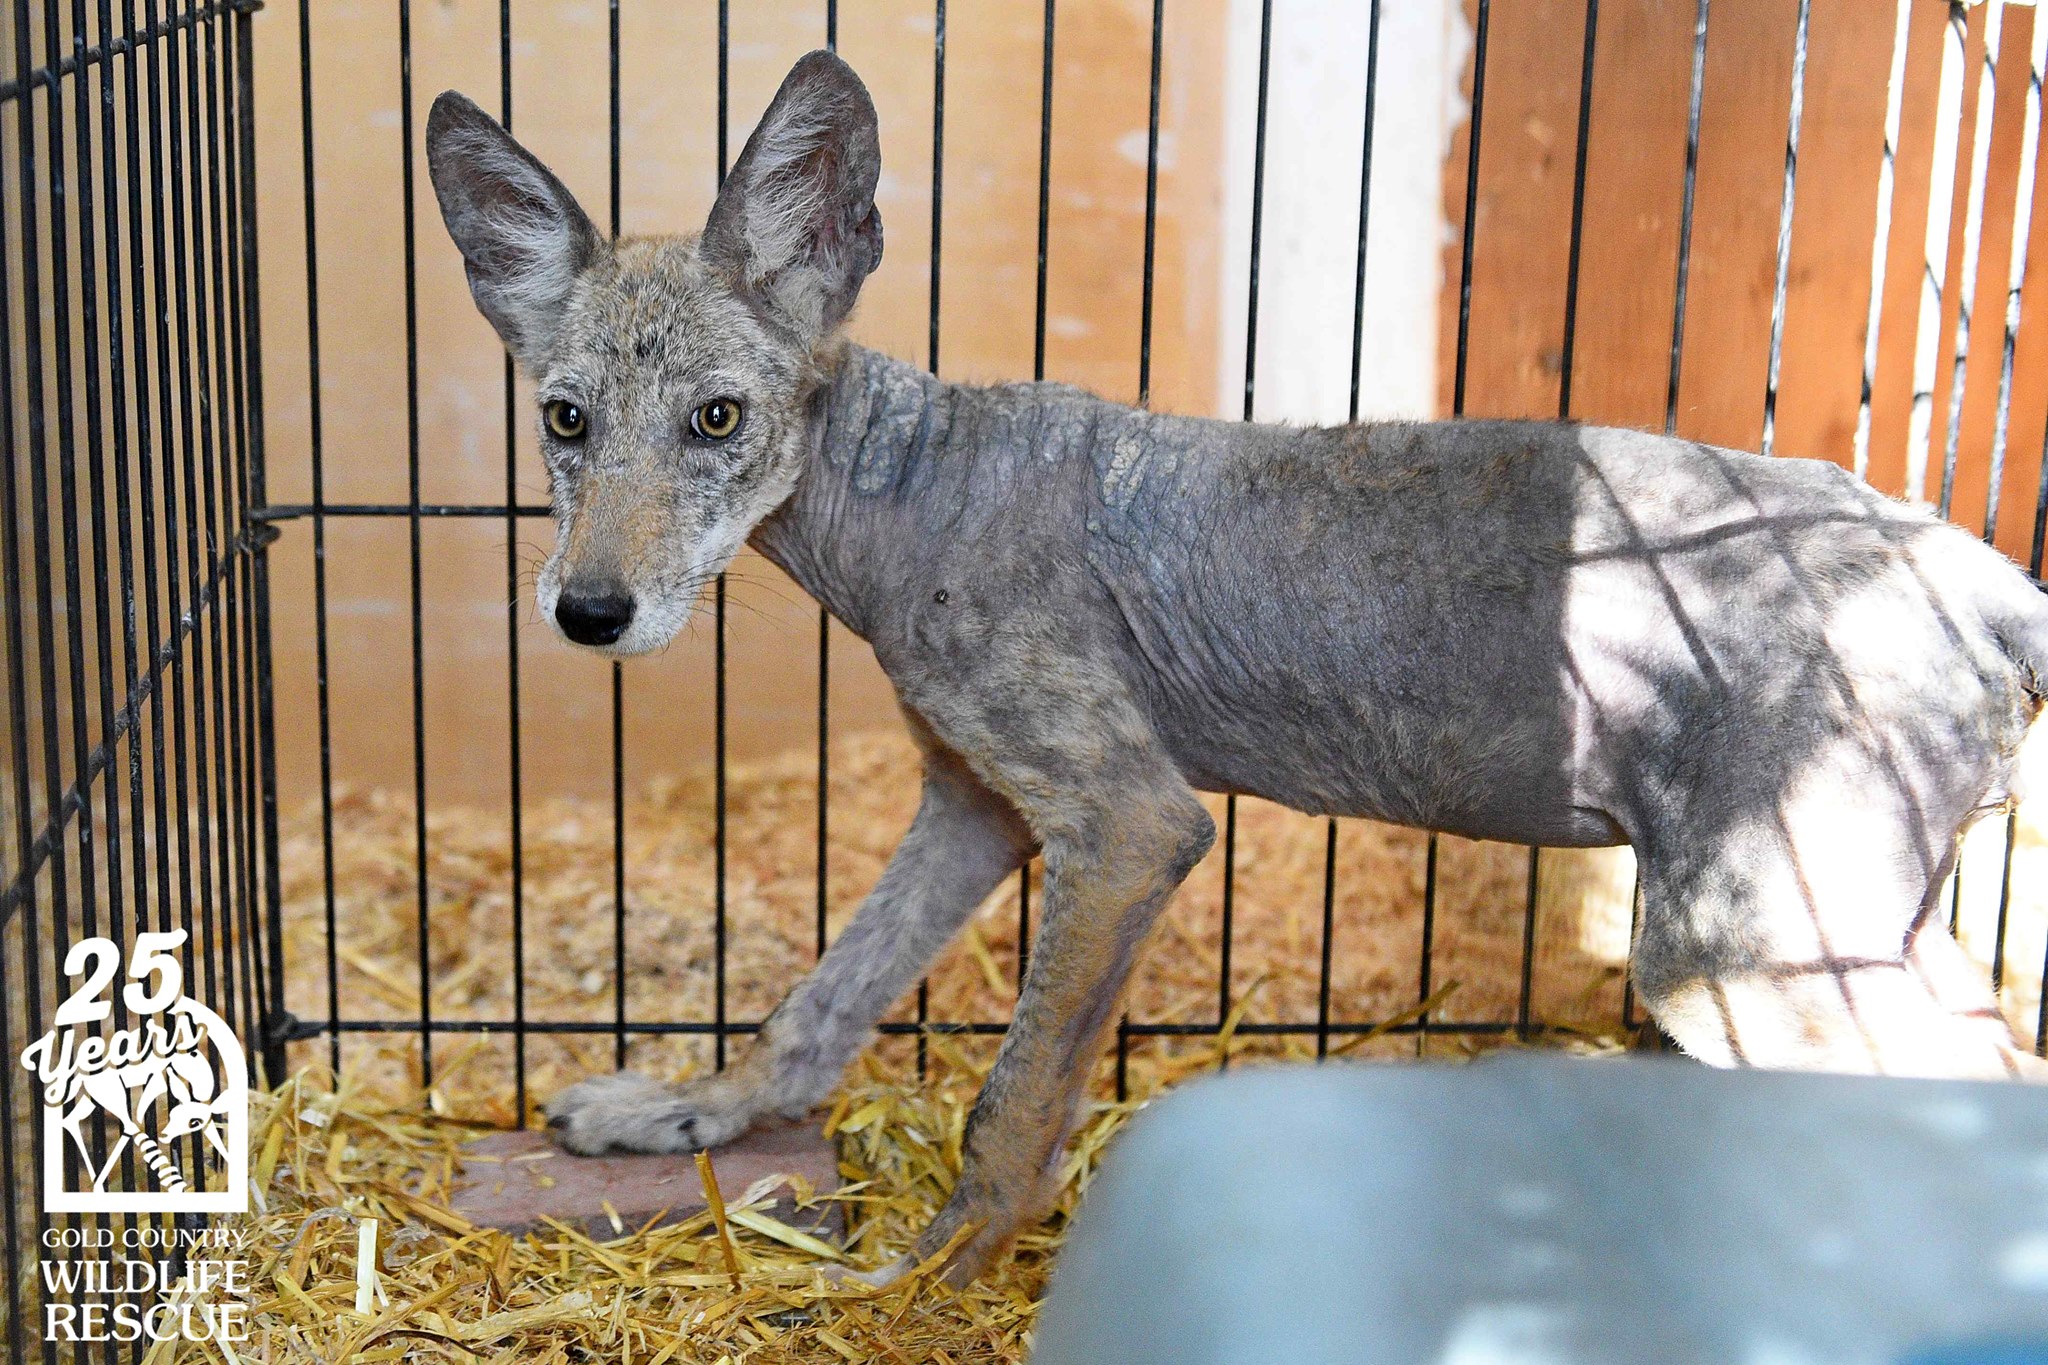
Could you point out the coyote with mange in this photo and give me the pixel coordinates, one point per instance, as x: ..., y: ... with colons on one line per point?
x: 1788, y: 693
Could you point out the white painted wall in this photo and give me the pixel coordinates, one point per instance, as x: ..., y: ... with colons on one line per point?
x: 1308, y: 259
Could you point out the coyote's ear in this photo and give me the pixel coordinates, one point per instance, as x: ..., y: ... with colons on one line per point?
x: 522, y: 236
x: 795, y: 229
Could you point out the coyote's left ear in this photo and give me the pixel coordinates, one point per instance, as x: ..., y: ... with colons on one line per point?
x: 795, y: 229
x: 523, y: 237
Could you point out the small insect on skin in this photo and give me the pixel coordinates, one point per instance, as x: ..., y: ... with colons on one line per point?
x: 1787, y: 692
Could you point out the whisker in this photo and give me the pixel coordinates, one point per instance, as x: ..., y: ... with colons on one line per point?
x: 771, y: 587
x: 780, y: 623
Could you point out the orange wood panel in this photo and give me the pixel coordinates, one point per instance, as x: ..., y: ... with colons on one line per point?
x: 1891, y: 399
x: 1635, y: 179
x: 1981, y: 385
x: 1958, y: 191
x: 1841, y: 147
x: 1735, y: 222
x: 1522, y: 226
x: 1635, y: 170
x: 2019, y: 500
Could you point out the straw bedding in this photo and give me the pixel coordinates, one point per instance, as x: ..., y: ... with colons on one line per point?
x: 670, y: 946
x: 379, y: 1146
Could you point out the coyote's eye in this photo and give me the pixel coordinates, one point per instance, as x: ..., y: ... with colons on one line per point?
x: 716, y: 420
x: 565, y: 420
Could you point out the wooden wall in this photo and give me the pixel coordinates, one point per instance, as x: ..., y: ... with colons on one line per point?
x: 1514, y: 354
x: 1636, y: 153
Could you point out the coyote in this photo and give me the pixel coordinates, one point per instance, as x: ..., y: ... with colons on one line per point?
x: 1788, y: 693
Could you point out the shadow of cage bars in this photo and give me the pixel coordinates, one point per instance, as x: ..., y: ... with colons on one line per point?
x: 140, y: 792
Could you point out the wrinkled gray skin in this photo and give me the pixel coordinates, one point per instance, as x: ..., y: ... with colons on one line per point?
x: 1788, y: 693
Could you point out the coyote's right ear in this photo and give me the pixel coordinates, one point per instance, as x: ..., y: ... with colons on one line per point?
x: 523, y: 238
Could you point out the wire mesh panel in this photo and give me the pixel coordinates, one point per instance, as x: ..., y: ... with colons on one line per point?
x: 1672, y: 287
x: 137, y: 743
x: 1768, y: 224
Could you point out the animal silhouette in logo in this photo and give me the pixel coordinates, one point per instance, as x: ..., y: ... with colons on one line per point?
x: 172, y: 1071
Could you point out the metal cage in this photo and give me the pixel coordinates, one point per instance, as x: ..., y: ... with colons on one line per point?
x: 136, y: 531
x: 136, y: 628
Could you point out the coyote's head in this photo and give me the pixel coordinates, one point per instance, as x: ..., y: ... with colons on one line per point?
x: 677, y: 375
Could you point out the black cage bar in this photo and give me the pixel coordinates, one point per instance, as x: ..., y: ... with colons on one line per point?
x: 141, y: 788
x: 719, y: 1026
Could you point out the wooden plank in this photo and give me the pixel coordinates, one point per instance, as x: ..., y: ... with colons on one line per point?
x: 1735, y: 223
x: 1891, y: 400
x: 1522, y: 227
x: 1951, y: 270
x: 1994, y: 265
x: 1635, y: 169
x: 513, y: 1180
x: 1635, y: 180
x: 1841, y: 147
x: 2019, y: 500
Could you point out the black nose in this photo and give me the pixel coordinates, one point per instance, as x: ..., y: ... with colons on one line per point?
x: 593, y: 618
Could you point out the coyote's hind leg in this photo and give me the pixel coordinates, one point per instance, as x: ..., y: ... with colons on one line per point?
x: 1808, y: 939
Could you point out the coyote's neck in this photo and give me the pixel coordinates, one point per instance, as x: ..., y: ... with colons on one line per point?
x: 850, y: 526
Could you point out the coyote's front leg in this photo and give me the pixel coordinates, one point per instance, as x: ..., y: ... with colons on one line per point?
x: 1121, y: 829
x: 964, y: 841
x: 1103, y: 891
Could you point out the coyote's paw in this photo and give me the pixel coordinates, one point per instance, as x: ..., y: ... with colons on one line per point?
x: 628, y: 1112
x: 881, y: 1277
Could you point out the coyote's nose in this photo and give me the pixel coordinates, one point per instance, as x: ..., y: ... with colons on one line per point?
x: 594, y: 618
